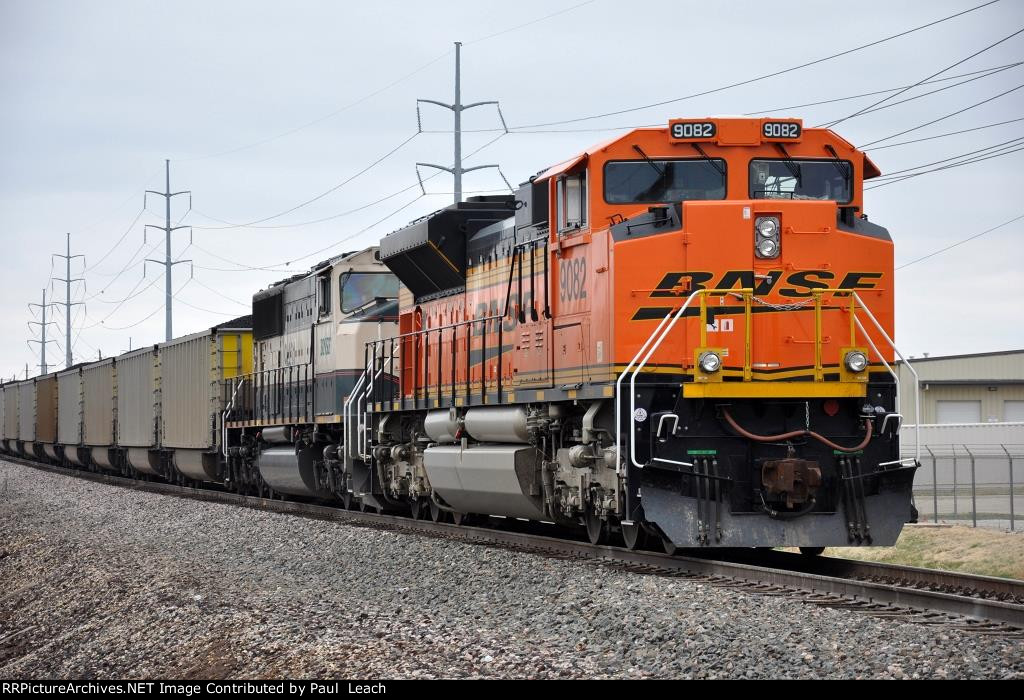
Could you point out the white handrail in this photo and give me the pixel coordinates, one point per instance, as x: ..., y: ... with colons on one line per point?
x: 224, y: 419
x: 345, y: 418
x: 632, y: 380
x: 917, y: 379
x: 618, y: 393
x: 661, y: 332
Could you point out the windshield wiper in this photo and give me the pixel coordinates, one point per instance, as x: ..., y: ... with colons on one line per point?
x: 841, y: 166
x: 660, y: 171
x: 791, y: 165
x: 709, y: 159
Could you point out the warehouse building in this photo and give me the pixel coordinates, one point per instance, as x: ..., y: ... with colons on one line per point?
x: 963, y: 389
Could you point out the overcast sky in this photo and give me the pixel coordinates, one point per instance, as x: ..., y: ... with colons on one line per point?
x: 96, y: 94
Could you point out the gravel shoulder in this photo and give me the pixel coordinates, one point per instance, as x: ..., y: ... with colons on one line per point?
x: 102, y: 582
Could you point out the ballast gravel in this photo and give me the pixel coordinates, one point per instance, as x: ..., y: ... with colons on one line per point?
x: 98, y: 581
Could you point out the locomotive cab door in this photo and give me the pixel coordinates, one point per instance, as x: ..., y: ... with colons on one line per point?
x: 573, y: 277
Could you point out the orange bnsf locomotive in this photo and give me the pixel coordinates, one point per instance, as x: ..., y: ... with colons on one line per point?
x: 685, y: 332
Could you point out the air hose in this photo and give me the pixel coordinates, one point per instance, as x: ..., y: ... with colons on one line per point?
x: 800, y: 433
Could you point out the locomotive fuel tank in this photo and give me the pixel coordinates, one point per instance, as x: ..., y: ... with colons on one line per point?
x: 488, y: 479
x: 290, y: 469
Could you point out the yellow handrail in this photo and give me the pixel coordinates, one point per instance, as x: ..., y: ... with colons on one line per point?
x: 747, y: 295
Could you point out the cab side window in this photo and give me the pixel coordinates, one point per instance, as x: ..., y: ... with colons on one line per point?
x: 572, y: 202
x: 324, y: 294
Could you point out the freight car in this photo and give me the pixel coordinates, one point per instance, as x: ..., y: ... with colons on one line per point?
x: 116, y: 415
x: 684, y: 333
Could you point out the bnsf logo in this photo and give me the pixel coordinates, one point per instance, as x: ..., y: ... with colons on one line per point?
x: 795, y: 285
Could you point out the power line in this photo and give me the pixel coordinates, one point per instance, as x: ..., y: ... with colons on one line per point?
x: 119, y: 241
x: 349, y: 212
x: 222, y: 295
x: 984, y: 73
x: 531, y: 22
x: 384, y: 88
x: 318, y: 120
x: 961, y: 242
x: 150, y: 315
x: 314, y: 221
x: 759, y: 78
x: 933, y: 75
x: 939, y: 119
x: 209, y: 311
x: 927, y: 94
x: 1003, y: 144
x: 131, y: 295
x: 318, y: 197
x: 976, y: 159
x: 951, y: 133
x: 977, y: 75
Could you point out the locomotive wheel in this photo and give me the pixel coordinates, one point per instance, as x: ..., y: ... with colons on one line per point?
x: 812, y: 551
x: 670, y: 548
x: 597, y: 529
x: 634, y: 535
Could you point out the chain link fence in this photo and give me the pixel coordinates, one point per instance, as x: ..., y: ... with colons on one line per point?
x: 977, y: 485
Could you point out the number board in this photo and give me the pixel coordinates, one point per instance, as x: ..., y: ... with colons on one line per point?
x: 692, y: 131
x: 781, y: 131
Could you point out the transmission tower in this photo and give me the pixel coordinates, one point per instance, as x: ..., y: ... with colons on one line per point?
x: 43, y: 367
x: 457, y: 109
x: 68, y: 280
x: 167, y: 229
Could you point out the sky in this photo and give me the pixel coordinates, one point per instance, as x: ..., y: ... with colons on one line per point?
x: 263, y: 106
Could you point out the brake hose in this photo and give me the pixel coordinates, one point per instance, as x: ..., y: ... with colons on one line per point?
x: 800, y: 433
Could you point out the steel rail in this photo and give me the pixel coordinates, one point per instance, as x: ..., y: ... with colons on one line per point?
x: 843, y: 582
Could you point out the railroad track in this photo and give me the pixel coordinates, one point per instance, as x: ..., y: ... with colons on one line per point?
x: 976, y: 604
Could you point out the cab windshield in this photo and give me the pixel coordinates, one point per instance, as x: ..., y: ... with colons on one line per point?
x: 359, y: 289
x: 801, y: 179
x: 658, y: 181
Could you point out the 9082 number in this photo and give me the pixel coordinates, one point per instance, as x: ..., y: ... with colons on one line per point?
x: 693, y: 130
x: 573, y: 279
x: 781, y: 130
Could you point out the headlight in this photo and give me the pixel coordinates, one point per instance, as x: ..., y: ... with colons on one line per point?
x: 767, y: 242
x: 768, y: 248
x: 879, y: 410
x: 710, y: 362
x: 856, y: 361
x: 767, y: 227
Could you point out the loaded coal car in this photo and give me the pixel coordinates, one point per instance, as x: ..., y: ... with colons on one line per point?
x: 156, y: 412
x: 684, y: 332
x: 69, y: 417
x: 46, y: 417
x: 190, y: 415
